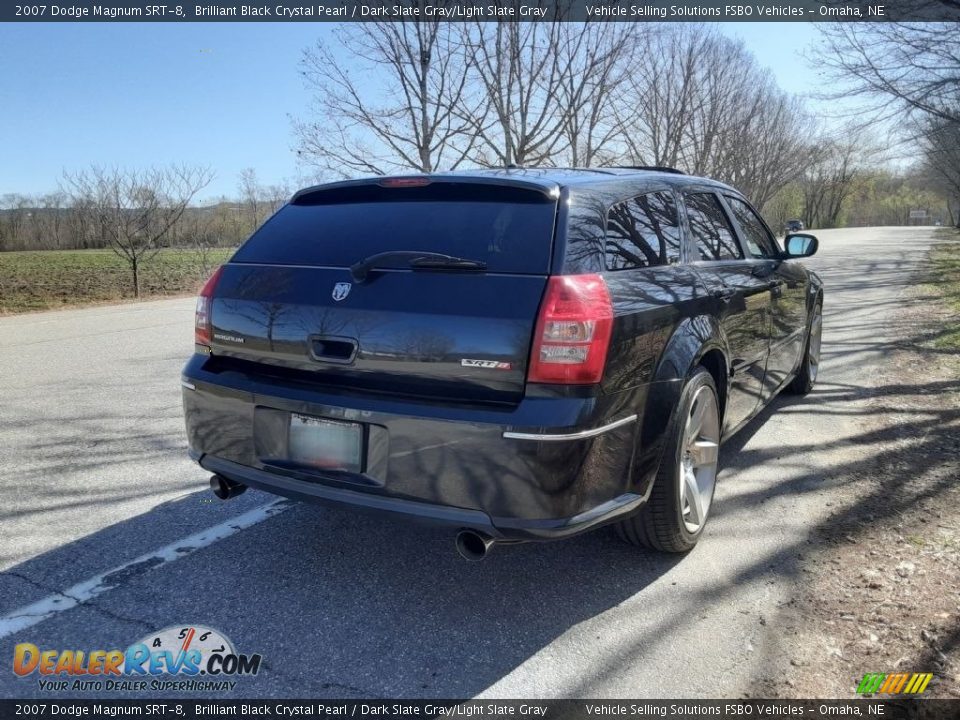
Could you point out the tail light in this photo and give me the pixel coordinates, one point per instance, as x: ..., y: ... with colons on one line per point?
x: 203, y: 325
x: 573, y: 331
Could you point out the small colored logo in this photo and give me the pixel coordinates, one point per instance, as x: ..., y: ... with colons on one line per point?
x: 341, y: 290
x: 894, y: 683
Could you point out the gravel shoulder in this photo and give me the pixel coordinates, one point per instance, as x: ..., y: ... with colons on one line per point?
x: 879, y: 582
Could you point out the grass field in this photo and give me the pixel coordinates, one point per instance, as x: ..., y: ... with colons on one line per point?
x: 43, y: 280
x: 945, y: 280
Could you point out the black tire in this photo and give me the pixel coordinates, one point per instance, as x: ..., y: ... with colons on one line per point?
x: 659, y: 524
x: 806, y: 376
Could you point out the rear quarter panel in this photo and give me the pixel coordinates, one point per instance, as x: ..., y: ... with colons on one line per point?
x: 665, y: 319
x: 663, y: 323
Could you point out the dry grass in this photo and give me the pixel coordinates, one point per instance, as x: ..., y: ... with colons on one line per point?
x: 944, y: 281
x: 43, y: 280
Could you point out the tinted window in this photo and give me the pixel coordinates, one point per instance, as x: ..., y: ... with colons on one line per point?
x: 511, y: 230
x: 642, y: 232
x: 759, y: 241
x: 710, y: 228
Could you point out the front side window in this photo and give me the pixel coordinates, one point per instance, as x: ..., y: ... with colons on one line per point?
x: 710, y: 228
x: 759, y: 242
x: 643, y: 232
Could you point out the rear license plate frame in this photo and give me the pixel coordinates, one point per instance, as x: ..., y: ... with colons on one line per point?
x: 306, y: 440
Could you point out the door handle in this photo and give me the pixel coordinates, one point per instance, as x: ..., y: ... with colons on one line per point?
x: 327, y: 348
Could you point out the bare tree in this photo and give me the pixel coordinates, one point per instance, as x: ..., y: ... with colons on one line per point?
x: 905, y: 71
x: 829, y: 181
x: 396, y: 104
x: 663, y: 96
x: 896, y: 68
x: 772, y: 147
x: 522, y: 69
x: 250, y: 193
x: 276, y: 196
x: 51, y: 220
x: 134, y: 210
x: 941, y: 147
x: 16, y: 211
x: 258, y: 201
x: 699, y: 101
x: 592, y: 86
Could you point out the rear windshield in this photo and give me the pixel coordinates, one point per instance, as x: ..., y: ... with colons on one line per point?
x: 510, y: 230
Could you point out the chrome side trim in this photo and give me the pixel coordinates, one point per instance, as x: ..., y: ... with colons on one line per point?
x: 570, y: 436
x: 187, y: 385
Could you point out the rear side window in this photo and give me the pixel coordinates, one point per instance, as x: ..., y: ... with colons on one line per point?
x: 758, y: 239
x: 509, y: 229
x: 643, y: 232
x: 710, y: 228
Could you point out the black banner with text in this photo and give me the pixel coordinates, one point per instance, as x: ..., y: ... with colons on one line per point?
x: 885, y: 709
x: 484, y: 10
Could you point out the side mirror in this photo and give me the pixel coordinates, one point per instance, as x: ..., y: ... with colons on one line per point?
x: 800, y: 245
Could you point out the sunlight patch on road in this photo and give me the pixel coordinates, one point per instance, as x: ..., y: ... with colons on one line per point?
x: 83, y: 592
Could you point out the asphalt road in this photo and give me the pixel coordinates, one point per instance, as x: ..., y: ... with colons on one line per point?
x: 94, y: 475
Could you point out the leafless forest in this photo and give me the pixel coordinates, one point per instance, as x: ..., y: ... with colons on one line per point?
x: 433, y: 96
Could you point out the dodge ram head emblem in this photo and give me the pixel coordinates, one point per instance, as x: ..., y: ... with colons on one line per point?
x: 341, y: 290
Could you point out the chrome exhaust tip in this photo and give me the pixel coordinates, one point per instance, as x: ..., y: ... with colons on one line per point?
x: 473, y: 546
x: 225, y: 489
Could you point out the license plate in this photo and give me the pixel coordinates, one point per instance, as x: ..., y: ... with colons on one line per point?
x: 326, y: 444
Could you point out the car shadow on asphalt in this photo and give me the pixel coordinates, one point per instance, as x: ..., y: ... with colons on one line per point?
x: 342, y: 604
x: 339, y: 604
x: 345, y: 604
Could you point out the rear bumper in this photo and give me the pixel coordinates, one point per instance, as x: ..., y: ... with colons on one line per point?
x: 504, y: 529
x: 546, y: 468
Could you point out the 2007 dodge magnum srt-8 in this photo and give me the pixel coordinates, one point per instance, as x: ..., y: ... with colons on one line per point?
x: 521, y: 354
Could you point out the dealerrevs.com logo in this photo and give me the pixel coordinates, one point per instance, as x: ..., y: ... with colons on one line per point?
x: 187, y: 657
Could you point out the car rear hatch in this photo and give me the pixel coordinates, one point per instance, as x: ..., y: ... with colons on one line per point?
x: 409, y: 323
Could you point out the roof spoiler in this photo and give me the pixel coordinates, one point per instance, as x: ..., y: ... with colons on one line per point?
x: 549, y: 190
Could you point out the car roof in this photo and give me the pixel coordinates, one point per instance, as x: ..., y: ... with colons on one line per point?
x: 547, y: 179
x: 574, y: 176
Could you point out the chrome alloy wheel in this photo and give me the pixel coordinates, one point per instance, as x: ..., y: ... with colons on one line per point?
x: 698, y: 463
x: 813, y: 344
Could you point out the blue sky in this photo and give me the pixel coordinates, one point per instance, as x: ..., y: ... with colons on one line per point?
x: 207, y: 93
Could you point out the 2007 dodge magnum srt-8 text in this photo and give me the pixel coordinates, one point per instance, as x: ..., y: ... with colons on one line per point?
x: 521, y: 354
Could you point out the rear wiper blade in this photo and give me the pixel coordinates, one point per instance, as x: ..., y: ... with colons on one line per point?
x: 451, y: 263
x: 418, y: 260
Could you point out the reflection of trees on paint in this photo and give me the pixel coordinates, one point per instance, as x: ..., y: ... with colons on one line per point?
x: 425, y: 345
x: 710, y: 228
x: 265, y: 314
x: 643, y: 232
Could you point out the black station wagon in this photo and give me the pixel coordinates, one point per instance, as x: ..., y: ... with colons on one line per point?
x: 519, y: 354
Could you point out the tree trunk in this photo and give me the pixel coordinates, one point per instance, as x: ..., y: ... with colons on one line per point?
x: 135, y: 270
